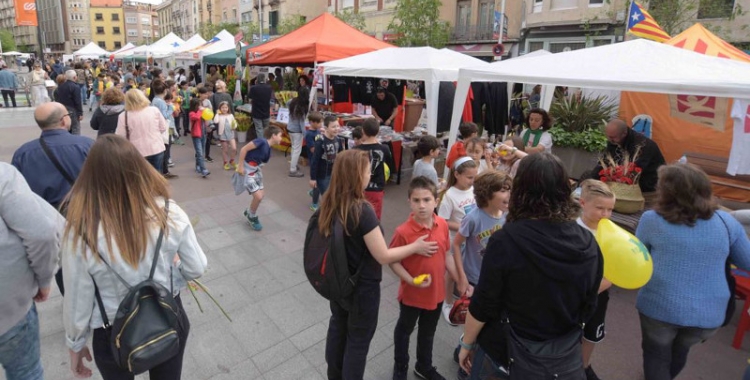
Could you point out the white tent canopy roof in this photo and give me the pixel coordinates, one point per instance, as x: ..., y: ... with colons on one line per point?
x: 416, y: 63
x: 410, y: 63
x: 165, y: 46
x: 91, y: 49
x: 127, y: 47
x: 192, y: 42
x: 637, y: 65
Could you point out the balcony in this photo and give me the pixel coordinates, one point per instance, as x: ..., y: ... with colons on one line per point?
x: 473, y: 33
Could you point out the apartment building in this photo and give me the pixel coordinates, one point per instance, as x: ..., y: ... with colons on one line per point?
x: 141, y: 22
x: 247, y: 11
x: 52, y: 16
x: 230, y: 11
x: 164, y: 14
x: 182, y: 17
x: 78, y: 24
x: 25, y: 36
x: 274, y: 11
x: 717, y: 17
x: 107, y: 24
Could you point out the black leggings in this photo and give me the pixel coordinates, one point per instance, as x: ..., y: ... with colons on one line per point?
x: 105, y: 361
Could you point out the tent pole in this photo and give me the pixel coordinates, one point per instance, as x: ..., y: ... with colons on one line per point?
x: 462, y: 91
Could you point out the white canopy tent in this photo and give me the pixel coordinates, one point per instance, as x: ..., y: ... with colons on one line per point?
x: 127, y: 47
x: 220, y: 42
x: 91, y: 50
x: 637, y: 65
x: 162, y: 48
x: 418, y: 63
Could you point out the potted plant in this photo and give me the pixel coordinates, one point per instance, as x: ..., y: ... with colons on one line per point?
x: 578, y: 131
x: 244, y: 122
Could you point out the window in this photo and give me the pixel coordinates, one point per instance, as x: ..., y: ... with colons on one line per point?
x: 146, y: 20
x: 131, y: 20
x: 273, y: 22
x: 537, y: 6
x: 116, y: 30
x: 132, y: 33
x: 596, y: 2
x: 156, y: 22
x: 535, y: 45
x: 99, y: 30
x: 558, y: 47
x: 118, y: 45
x: 602, y: 42
x: 224, y: 16
x: 463, y: 17
x: 715, y: 9
x: 98, y: 17
x: 486, y: 15
x: 234, y: 14
x: 115, y: 17
x: 102, y: 44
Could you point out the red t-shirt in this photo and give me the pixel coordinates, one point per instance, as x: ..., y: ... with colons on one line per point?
x: 423, y: 298
x: 457, y: 151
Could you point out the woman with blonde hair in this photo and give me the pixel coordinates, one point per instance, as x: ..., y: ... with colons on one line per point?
x: 39, y: 94
x: 144, y: 126
x: 351, y: 328
x: 115, y: 211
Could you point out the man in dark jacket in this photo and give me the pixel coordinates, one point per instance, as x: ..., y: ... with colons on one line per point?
x: 623, y: 142
x: 69, y: 94
x: 260, y: 98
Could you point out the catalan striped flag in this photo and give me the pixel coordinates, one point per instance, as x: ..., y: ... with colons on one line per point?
x: 641, y: 24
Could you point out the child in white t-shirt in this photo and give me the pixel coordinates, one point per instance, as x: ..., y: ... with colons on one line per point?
x: 455, y: 203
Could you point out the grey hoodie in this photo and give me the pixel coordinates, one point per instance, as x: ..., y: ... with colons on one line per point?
x: 104, y: 119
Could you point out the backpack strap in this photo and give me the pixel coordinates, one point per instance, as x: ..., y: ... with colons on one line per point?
x: 157, y: 249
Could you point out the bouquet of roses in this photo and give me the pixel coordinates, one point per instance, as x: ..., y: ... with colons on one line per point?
x: 626, y: 172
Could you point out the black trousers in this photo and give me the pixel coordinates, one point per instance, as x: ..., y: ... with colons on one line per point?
x: 407, y: 320
x: 350, y: 332
x: 167, y: 155
x: 105, y: 360
x: 11, y: 94
x: 209, y: 141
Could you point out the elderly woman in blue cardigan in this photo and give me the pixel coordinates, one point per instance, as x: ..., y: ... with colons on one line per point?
x: 690, y: 241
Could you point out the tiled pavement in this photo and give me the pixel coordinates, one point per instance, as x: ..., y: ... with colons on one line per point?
x: 279, y: 322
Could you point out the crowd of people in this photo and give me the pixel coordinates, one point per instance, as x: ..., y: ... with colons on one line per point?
x: 504, y: 231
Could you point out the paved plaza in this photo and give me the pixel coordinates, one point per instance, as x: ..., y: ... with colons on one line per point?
x: 279, y: 322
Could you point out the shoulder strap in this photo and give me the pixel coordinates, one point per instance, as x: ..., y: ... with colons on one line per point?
x: 55, y: 162
x: 127, y: 128
x: 157, y: 249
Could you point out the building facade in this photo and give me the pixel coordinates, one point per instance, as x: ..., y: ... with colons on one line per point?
x: 141, y: 23
x: 52, y: 16
x: 107, y: 24
x: 164, y: 14
x: 25, y: 37
x: 230, y: 11
x: 274, y: 11
x: 79, y: 24
x: 182, y: 19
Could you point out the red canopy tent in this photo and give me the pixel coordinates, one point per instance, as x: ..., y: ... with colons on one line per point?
x: 323, y: 39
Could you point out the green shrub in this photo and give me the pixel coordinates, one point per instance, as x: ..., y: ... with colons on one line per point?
x: 592, y: 140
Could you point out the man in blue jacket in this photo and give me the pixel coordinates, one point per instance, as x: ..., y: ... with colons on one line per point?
x: 69, y: 95
x: 8, y: 85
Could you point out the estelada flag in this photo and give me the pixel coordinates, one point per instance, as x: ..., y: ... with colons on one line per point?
x: 25, y: 12
x: 641, y: 24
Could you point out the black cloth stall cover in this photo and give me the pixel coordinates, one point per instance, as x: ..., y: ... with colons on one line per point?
x: 496, y: 102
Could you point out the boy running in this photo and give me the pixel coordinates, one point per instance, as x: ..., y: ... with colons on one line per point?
x: 255, y: 154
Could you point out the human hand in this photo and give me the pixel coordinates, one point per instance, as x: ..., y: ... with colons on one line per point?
x: 176, y: 259
x: 464, y: 359
x: 42, y: 294
x: 80, y: 117
x: 240, y: 169
x: 464, y: 288
x: 76, y: 363
x: 425, y: 248
x: 313, y: 183
x: 420, y: 282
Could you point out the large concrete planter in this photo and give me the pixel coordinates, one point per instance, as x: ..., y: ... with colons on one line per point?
x: 576, y: 161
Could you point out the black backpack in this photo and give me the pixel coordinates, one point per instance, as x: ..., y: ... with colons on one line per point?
x: 326, y: 263
x: 148, y: 324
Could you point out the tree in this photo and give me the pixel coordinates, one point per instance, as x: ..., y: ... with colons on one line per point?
x: 418, y: 23
x: 209, y: 30
x: 7, y: 42
x: 674, y: 16
x: 354, y: 19
x: 290, y: 23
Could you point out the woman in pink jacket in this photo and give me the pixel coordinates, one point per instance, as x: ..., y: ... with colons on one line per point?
x: 144, y: 126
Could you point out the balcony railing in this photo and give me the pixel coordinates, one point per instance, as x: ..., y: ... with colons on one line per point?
x: 463, y: 33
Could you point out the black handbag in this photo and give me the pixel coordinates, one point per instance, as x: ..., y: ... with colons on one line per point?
x: 560, y: 358
x: 148, y: 324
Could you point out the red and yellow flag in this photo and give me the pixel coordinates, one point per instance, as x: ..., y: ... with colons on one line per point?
x: 641, y: 24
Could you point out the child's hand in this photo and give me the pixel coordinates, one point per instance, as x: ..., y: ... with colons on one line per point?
x: 464, y: 288
x: 313, y: 183
x: 422, y: 281
x: 240, y: 169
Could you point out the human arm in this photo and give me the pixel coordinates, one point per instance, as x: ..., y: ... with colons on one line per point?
x: 398, y: 268
x: 192, y: 260
x: 220, y: 129
x: 472, y: 327
x: 77, y: 103
x: 445, y: 211
x: 739, y: 245
x: 161, y: 122
x: 462, y: 282
x: 317, y: 153
x: 393, y: 114
x: 35, y: 222
x: 243, y: 152
x: 376, y: 245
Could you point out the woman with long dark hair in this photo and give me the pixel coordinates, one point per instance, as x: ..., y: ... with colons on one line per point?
x: 298, y: 108
x: 351, y: 329
x: 540, y: 273
x: 115, y: 211
x: 690, y: 241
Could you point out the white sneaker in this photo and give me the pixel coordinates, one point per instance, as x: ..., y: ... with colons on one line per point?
x: 447, y: 313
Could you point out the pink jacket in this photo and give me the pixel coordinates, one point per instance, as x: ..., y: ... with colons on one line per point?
x: 146, y: 129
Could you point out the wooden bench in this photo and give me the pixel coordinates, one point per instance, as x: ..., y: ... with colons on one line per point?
x: 716, y: 168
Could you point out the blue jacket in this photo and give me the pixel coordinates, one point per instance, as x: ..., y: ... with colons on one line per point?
x: 43, y: 178
x: 689, y: 286
x: 8, y: 80
x: 69, y: 94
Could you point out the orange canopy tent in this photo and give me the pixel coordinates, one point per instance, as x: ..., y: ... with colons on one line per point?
x: 700, y: 124
x: 323, y: 39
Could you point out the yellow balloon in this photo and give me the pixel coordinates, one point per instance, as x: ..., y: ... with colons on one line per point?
x: 207, y: 114
x: 627, y: 262
x: 387, y: 171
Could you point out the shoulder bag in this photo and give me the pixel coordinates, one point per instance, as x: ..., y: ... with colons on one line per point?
x: 55, y: 162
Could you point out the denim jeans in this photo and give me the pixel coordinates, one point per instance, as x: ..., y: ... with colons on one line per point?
x: 407, y: 320
x: 260, y: 125
x: 484, y: 368
x: 322, y: 185
x: 666, y: 346
x: 156, y: 160
x: 19, y: 349
x: 83, y: 93
x: 350, y: 332
x: 198, y: 144
x: 75, y: 124
x: 9, y: 94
